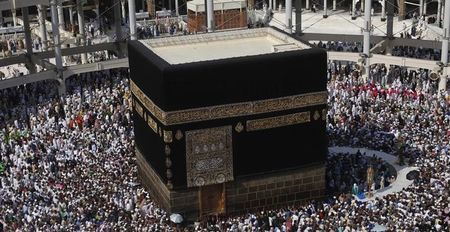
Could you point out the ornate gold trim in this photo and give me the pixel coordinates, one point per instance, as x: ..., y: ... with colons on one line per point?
x: 167, y: 150
x: 228, y: 110
x: 278, y: 121
x: 152, y: 124
x: 209, y: 156
x: 316, y: 115
x: 149, y: 104
x: 168, y: 162
x: 167, y: 135
x: 139, y: 109
x: 169, y: 173
x: 169, y: 185
x: 239, y: 127
x: 179, y: 135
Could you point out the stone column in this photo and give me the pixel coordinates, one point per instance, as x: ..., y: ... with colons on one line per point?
x: 438, y: 18
x: 57, y: 41
x: 401, y: 10
x: 14, y: 16
x: 288, y: 18
x: 210, y: 15
x: 71, y: 16
x: 124, y: 13
x: 42, y: 15
x: 1, y: 18
x: 81, y: 29
x: 325, y: 13
x: 97, y: 11
x: 118, y: 27
x: 28, y: 42
x: 390, y: 18
x: 353, y: 9
x: 444, y: 50
x: 132, y: 12
x: 117, y: 20
x: 425, y: 7
x: 420, y: 7
x: 61, y: 17
x: 366, y: 35
x: 177, y: 12
x: 298, y: 17
x: 388, y: 50
x: 151, y: 8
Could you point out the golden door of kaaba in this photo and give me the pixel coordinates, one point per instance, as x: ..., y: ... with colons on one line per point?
x: 212, y: 199
x: 209, y: 165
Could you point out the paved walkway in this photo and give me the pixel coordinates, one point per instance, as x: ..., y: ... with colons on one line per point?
x: 397, y: 186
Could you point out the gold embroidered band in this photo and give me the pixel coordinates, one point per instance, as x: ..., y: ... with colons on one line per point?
x: 228, y: 110
x: 278, y: 121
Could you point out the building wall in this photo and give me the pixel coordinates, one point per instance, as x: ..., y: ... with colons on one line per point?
x: 152, y: 182
x: 275, y: 190
x: 185, y: 200
x: 279, y: 122
x: 227, y: 19
x: 278, y: 125
x: 151, y: 8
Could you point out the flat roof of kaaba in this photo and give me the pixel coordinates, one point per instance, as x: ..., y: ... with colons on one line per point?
x: 222, y: 45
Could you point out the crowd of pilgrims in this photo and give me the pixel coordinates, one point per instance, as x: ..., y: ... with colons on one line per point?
x: 340, y: 46
x: 67, y: 162
x: 162, y: 27
x: 402, y: 51
x: 417, y: 52
x: 348, y: 173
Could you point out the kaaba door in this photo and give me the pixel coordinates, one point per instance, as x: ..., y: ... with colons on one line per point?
x: 212, y: 199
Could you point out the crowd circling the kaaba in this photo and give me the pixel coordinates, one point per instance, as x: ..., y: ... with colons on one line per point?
x: 339, y: 46
x: 67, y: 162
x: 348, y: 173
x: 417, y: 52
x: 405, y: 116
x: 162, y: 27
x: 402, y: 51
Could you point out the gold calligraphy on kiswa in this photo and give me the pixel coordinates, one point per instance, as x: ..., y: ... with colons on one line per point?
x: 228, y: 110
x: 278, y: 121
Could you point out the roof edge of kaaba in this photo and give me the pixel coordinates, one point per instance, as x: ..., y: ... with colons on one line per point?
x: 296, y: 37
x: 241, y: 79
x: 136, y: 45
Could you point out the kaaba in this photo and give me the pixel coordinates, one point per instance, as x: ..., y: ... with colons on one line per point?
x: 229, y: 121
